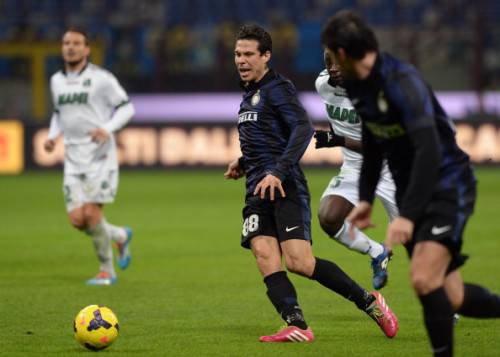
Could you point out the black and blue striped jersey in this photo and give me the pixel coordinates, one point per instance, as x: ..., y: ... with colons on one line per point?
x: 403, y: 122
x: 274, y: 130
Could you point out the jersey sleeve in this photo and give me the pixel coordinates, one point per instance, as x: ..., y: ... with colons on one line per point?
x: 55, y: 127
x: 115, y: 94
x: 53, y: 94
x: 283, y: 98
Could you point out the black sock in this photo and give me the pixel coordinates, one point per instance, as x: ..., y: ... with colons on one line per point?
x: 479, y: 302
x: 438, y: 317
x: 282, y: 294
x: 331, y: 276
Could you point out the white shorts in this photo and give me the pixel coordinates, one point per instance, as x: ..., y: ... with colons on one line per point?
x: 345, y: 185
x: 92, y: 187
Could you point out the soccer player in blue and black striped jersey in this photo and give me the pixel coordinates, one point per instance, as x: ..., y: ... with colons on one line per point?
x: 435, y: 187
x: 274, y: 132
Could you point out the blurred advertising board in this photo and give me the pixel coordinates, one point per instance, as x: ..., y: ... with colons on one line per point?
x: 205, y: 144
x: 11, y: 147
x: 221, y: 107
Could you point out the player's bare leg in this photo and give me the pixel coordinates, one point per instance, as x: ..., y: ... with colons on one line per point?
x: 299, y: 259
x: 429, y: 263
x: 332, y: 213
x: 280, y: 291
x: 89, y: 218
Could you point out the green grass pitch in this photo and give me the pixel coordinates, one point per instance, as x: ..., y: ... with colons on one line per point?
x: 191, y: 290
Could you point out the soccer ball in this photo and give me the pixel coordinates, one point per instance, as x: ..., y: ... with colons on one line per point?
x: 96, y: 327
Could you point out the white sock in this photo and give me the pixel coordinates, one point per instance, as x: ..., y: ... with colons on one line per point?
x: 361, y: 242
x: 102, y: 244
x: 117, y: 234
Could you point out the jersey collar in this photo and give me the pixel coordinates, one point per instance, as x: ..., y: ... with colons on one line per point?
x: 80, y: 72
x: 251, y: 86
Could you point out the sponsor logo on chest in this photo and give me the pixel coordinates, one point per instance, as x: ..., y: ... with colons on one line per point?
x: 386, y: 131
x: 247, y: 116
x: 342, y: 114
x: 73, y: 98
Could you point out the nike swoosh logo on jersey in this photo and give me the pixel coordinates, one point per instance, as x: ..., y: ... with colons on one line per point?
x: 291, y: 228
x: 440, y: 230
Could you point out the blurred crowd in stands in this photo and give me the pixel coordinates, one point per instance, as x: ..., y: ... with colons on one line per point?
x: 187, y: 45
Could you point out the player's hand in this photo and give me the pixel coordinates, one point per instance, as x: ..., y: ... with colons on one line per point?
x: 99, y: 135
x: 234, y: 171
x: 327, y: 139
x: 360, y: 217
x: 271, y: 182
x: 49, y: 145
x: 400, y: 231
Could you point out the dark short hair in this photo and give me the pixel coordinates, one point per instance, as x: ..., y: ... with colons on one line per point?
x: 349, y: 31
x: 79, y: 30
x: 255, y: 32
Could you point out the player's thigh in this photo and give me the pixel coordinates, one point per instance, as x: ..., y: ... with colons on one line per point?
x: 267, y: 253
x: 333, y: 209
x: 429, y: 263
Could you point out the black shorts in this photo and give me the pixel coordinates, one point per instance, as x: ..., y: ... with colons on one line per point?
x: 444, y: 221
x: 284, y: 218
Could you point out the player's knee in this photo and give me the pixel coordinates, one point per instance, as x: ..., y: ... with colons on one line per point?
x: 424, y: 282
x: 91, y: 215
x: 300, y: 265
x: 263, y: 254
x: 330, y: 222
x: 77, y: 221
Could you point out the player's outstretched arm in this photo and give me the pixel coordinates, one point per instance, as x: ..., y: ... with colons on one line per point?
x: 234, y: 170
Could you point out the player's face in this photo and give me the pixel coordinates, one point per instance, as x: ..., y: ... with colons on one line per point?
x: 250, y: 63
x: 332, y: 67
x: 74, y: 48
x: 342, y: 63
